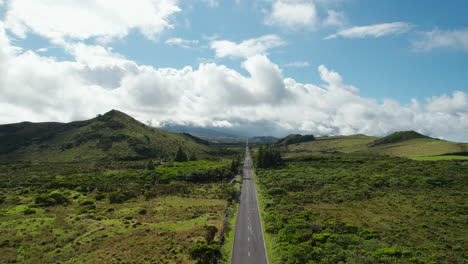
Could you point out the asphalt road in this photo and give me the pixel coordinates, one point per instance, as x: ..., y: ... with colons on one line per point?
x: 249, y: 246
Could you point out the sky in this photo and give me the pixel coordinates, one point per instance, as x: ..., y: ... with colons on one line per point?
x: 256, y: 67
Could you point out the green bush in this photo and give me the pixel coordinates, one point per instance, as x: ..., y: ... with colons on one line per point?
x: 29, y: 211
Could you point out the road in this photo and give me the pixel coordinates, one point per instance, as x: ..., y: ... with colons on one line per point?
x: 249, y: 246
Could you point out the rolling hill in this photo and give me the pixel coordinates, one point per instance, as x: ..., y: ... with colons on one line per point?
x: 403, y: 144
x: 112, y: 136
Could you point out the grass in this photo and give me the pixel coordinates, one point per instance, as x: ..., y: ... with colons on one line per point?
x: 148, y: 222
x: 268, y: 238
x: 423, y: 146
x: 445, y: 157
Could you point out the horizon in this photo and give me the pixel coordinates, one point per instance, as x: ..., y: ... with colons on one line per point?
x: 335, y: 67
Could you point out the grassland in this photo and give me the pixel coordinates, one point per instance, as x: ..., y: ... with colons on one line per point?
x: 362, y: 208
x: 65, y: 213
x: 391, y: 145
x: 445, y: 157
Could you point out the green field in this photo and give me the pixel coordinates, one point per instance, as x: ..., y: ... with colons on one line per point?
x: 115, y: 216
x: 445, y: 157
x: 362, y: 208
x: 401, y: 144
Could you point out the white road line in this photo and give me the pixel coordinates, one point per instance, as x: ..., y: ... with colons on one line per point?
x: 249, y: 253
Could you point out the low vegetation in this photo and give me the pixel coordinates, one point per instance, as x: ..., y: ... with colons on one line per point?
x: 361, y: 208
x: 175, y: 212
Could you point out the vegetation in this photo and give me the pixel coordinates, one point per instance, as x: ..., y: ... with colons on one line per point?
x: 129, y: 213
x: 398, y: 137
x: 361, y: 208
x: 402, y: 144
x: 268, y: 157
x: 294, y: 139
x: 113, y: 136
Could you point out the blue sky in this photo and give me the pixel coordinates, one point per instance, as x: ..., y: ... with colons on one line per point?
x: 344, y: 66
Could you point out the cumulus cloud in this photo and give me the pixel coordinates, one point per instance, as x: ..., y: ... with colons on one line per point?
x: 293, y: 15
x: 455, y: 39
x: 60, y: 20
x: 263, y: 101
x: 246, y: 48
x: 376, y: 31
x: 184, y: 43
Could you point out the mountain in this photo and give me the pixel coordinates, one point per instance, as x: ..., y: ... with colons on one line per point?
x: 200, y: 132
x: 403, y: 144
x: 294, y: 139
x: 398, y: 137
x: 215, y: 136
x: 112, y: 136
x: 263, y: 139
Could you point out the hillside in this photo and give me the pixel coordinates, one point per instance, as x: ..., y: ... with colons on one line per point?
x: 403, y: 144
x: 294, y: 139
x: 112, y: 136
x: 398, y: 137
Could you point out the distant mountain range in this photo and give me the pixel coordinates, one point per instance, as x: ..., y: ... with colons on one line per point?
x: 117, y: 136
x: 215, y: 136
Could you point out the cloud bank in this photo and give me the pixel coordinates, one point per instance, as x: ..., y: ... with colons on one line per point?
x: 39, y: 88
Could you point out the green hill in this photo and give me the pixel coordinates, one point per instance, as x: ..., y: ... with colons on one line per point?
x: 112, y: 136
x: 294, y: 139
x: 398, y: 137
x: 403, y: 144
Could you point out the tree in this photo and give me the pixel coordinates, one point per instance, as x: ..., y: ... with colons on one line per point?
x: 150, y: 165
x: 268, y: 157
x: 210, y: 233
x: 205, y: 254
x: 193, y: 156
x: 180, y: 155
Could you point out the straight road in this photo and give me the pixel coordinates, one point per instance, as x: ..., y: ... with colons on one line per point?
x: 249, y: 246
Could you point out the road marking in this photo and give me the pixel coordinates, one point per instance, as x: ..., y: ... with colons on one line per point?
x: 249, y: 253
x: 248, y: 239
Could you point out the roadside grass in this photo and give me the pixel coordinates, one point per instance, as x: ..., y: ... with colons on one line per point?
x: 269, y: 239
x: 229, y: 240
x: 229, y: 236
x: 447, y: 157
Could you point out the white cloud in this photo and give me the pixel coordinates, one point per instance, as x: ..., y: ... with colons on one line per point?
x: 247, y: 48
x: 293, y: 15
x: 263, y: 101
x: 455, y: 39
x: 335, y: 18
x: 297, y: 64
x: 376, y: 31
x: 184, y: 43
x: 60, y: 20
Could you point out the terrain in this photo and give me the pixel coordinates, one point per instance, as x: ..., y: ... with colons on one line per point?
x: 110, y: 190
x: 112, y: 136
x: 402, y: 144
x: 215, y: 136
x: 365, y: 208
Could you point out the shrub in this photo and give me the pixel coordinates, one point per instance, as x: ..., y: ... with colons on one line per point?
x: 205, y: 254
x: 142, y: 211
x: 29, y: 211
x: 86, y: 202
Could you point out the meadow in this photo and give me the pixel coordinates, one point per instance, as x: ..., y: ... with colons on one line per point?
x: 118, y: 212
x: 363, y: 208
